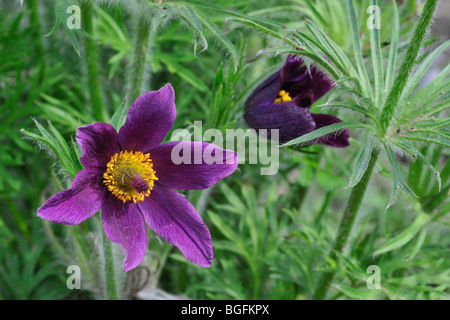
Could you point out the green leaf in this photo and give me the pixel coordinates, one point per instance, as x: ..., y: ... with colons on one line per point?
x: 67, y: 154
x: 399, y: 182
x: 57, y: 146
x: 441, y: 138
x: 409, y: 60
x: 340, y: 90
x: 351, y: 106
x: 377, y: 61
x: 184, y: 73
x: 215, y: 31
x: 314, y: 57
x: 357, y: 49
x: 61, y: 16
x: 434, y: 124
x: 264, y: 30
x: 404, y: 237
x: 362, y: 160
x: 228, y: 232
x: 392, y: 61
x: 420, y: 239
x: 314, y: 11
x: 438, y: 85
x: 358, y: 294
x: 332, y: 51
x: 325, y: 130
x: 46, y: 137
x: 424, y: 67
x: 408, y: 147
x: 204, y: 4
x: 191, y: 18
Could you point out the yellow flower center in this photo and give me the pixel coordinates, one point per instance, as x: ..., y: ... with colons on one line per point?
x: 283, y: 96
x: 130, y: 176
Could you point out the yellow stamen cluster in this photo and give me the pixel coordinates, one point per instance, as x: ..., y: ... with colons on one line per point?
x: 283, y: 96
x: 130, y: 176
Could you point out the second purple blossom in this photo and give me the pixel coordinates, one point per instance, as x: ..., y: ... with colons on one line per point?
x: 283, y: 102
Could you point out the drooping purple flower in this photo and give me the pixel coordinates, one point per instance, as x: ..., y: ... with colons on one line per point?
x: 131, y: 177
x: 283, y: 100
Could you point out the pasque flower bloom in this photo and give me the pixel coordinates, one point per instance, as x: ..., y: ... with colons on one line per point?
x: 131, y: 177
x: 283, y: 100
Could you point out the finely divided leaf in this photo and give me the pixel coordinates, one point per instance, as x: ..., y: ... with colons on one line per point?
x: 408, y: 147
x: 362, y: 160
x: 405, y: 236
x: 324, y: 131
x: 399, y: 182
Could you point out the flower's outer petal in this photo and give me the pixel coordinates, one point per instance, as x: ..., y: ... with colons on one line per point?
x: 124, y: 224
x: 337, y: 139
x: 265, y: 93
x: 80, y: 202
x: 150, y: 117
x: 293, y: 70
x: 193, y: 165
x: 291, y: 121
x: 172, y: 217
x: 99, y: 141
x: 305, y: 85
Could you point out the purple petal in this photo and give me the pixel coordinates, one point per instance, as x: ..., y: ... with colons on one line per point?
x: 290, y: 120
x: 124, y: 224
x: 338, y: 139
x: 99, y: 141
x: 74, y: 205
x: 150, y: 117
x: 293, y: 70
x: 265, y: 93
x: 305, y: 86
x: 172, y: 217
x: 203, y: 164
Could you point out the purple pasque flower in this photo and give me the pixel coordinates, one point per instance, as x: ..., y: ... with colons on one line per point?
x: 282, y: 102
x: 130, y: 175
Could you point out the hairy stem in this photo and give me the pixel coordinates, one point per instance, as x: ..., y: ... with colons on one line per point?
x: 407, y: 64
x: 346, y: 224
x: 91, y: 58
x: 111, y: 289
x: 142, y: 40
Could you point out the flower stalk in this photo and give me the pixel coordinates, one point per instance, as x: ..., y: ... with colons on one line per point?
x: 91, y: 58
x: 346, y: 224
x: 408, y: 63
x: 141, y: 44
x: 110, y: 280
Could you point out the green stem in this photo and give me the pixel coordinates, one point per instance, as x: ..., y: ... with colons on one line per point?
x: 141, y: 44
x: 346, y: 224
x: 407, y: 64
x: 111, y: 290
x: 91, y: 58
